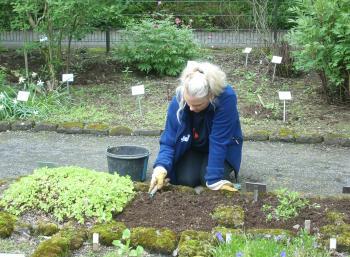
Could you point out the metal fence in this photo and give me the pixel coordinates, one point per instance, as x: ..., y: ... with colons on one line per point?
x: 206, y: 38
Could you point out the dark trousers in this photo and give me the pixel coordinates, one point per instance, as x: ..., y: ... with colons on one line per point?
x: 191, y: 168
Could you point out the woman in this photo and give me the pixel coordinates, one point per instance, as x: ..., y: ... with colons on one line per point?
x: 202, y: 140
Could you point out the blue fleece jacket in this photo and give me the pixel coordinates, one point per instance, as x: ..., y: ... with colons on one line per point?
x: 225, y: 136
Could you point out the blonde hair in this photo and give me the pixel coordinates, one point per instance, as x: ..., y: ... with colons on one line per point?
x: 200, y: 79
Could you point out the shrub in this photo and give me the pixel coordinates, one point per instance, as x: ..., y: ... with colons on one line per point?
x: 321, y: 36
x: 157, y: 46
x: 69, y: 192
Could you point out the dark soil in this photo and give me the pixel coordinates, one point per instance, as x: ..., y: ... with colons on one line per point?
x: 182, y: 211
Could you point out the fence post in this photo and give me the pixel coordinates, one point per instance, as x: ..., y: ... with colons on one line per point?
x: 108, y: 40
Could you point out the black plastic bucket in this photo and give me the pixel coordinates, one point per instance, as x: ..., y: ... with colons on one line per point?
x: 128, y: 160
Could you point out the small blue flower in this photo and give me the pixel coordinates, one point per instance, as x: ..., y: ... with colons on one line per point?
x: 239, y: 254
x: 219, y: 237
x: 283, y: 254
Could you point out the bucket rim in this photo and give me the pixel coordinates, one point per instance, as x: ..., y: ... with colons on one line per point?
x: 124, y: 156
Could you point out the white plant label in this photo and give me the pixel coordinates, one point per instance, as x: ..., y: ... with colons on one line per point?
x: 43, y: 38
x: 138, y: 90
x: 228, y: 238
x: 285, y: 95
x: 95, y: 237
x: 67, y: 77
x: 247, y: 50
x: 276, y: 59
x: 11, y: 255
x: 332, y: 243
x: 23, y: 96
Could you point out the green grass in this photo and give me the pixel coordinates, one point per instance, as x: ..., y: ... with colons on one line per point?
x: 245, y: 246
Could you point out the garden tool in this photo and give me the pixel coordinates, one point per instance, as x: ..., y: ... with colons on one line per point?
x: 156, y: 188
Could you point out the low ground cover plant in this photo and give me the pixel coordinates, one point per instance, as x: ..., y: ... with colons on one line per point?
x: 69, y: 192
x: 289, y: 205
x: 304, y: 245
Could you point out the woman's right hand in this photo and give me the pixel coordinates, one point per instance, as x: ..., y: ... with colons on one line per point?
x: 158, y: 179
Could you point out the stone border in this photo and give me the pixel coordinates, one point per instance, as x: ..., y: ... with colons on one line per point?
x: 101, y: 129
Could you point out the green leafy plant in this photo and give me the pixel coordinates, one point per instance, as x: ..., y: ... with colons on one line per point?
x: 321, y: 39
x: 157, y: 46
x: 303, y: 245
x: 69, y: 192
x: 289, y: 205
x: 123, y: 247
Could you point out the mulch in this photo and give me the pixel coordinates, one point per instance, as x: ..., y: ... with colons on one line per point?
x: 180, y: 211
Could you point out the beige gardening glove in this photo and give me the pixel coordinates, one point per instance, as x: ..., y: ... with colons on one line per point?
x: 222, y: 185
x: 158, y: 179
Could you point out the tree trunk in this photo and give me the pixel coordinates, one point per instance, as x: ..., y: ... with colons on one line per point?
x: 25, y: 53
x: 108, y: 40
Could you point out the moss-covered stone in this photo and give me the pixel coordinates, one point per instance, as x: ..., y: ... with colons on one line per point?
x: 309, y: 139
x: 195, y: 243
x: 45, y: 126
x: 336, y: 218
x: 45, y: 229
x: 259, y: 135
x: 71, y: 127
x: 155, y: 240
x: 96, y: 128
x: 284, y: 135
x: 61, y: 244
x: 341, y: 232
x: 2, y: 182
x: 229, y: 216
x: 120, y: 131
x: 7, y: 224
x: 337, y: 139
x: 108, y: 231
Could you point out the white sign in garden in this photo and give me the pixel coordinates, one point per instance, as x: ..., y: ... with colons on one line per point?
x: 138, y: 91
x: 23, y: 96
x: 284, y: 96
x: 67, y: 77
x: 276, y: 60
x: 246, y: 51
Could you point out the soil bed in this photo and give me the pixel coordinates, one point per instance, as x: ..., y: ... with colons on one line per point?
x: 180, y: 211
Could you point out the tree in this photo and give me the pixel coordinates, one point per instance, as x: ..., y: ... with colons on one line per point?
x: 321, y: 37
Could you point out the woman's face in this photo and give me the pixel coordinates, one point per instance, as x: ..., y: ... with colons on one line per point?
x: 196, y: 104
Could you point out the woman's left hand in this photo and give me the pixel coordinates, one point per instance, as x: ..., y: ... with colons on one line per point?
x: 222, y: 185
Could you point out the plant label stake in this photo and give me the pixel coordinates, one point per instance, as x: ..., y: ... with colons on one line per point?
x: 246, y: 51
x: 307, y: 226
x: 332, y: 243
x: 284, y: 96
x: 256, y: 193
x: 23, y: 96
x: 276, y: 60
x: 346, y: 190
x: 67, y: 78
x: 228, y: 238
x: 251, y: 186
x: 95, y: 242
x: 138, y: 90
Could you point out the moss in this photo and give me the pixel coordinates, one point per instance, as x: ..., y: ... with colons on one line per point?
x: 335, y: 217
x: 229, y: 216
x: 97, y: 126
x: 55, y: 247
x: 341, y: 232
x: 119, y: 131
x: 195, y: 243
x: 108, y: 232
x: 46, y: 229
x: 155, y: 240
x: 286, y: 132
x: 69, y: 125
x: 62, y: 243
x: 7, y: 224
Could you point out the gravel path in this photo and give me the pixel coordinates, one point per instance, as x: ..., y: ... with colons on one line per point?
x: 311, y: 169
